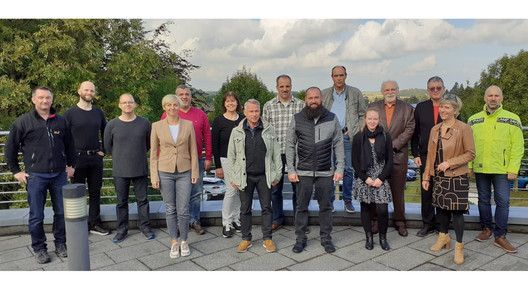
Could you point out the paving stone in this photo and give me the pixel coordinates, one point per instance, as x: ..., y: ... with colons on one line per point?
x: 15, y: 254
x: 424, y: 243
x: 522, y: 251
x: 370, y: 265
x: 356, y: 253
x: 182, y: 266
x: 223, y: 258
x: 403, y: 258
x: 472, y: 260
x: 102, y: 246
x: 507, y: 262
x: 346, y: 237
x: 215, y: 244
x: 131, y: 265
x: 313, y: 249
x: 267, y: 262
x: 100, y: 260
x: 28, y: 264
x: 326, y: 262
x: 487, y: 247
x: 17, y: 242
x: 162, y: 259
x: 136, y: 251
x: 430, y: 267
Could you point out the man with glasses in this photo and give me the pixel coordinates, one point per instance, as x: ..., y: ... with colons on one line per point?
x: 127, y: 139
x: 426, y: 115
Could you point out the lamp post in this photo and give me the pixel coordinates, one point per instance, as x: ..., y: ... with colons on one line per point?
x: 75, y: 217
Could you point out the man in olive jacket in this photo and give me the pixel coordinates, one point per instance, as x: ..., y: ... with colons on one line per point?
x: 249, y: 142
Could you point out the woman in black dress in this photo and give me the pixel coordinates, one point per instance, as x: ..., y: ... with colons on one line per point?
x: 372, y: 161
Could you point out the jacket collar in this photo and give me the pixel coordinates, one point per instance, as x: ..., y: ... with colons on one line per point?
x: 491, y: 114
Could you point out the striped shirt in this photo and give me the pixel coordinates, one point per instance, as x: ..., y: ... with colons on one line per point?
x: 279, y: 115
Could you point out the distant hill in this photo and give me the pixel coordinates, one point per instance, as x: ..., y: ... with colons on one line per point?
x: 409, y: 95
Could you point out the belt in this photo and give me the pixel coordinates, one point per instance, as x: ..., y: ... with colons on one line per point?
x: 87, y: 153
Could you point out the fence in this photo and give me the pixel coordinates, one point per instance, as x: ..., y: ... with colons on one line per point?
x: 13, y: 195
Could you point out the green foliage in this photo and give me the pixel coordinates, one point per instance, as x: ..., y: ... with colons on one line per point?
x: 118, y: 55
x: 246, y: 85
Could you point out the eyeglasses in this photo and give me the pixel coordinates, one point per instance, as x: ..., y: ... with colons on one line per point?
x: 127, y: 102
x: 432, y: 89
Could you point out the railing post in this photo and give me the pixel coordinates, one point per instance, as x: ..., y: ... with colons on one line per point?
x: 75, y: 217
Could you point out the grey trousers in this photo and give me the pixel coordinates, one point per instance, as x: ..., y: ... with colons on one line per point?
x: 175, y: 190
x: 323, y: 195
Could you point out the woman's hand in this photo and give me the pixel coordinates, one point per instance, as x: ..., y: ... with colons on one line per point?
x: 155, y: 185
x: 443, y: 166
x: 194, y: 180
x: 377, y: 183
x: 369, y: 181
x: 425, y: 185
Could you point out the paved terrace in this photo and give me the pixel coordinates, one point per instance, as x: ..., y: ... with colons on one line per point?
x: 212, y: 252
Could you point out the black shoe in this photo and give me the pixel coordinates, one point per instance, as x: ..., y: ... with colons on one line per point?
x: 328, y: 246
x: 120, y: 237
x: 227, y: 232
x: 383, y: 242
x: 299, y: 247
x: 61, y: 251
x: 99, y: 230
x: 369, y: 245
x: 42, y: 257
x: 237, y: 225
x: 148, y: 233
x: 426, y: 230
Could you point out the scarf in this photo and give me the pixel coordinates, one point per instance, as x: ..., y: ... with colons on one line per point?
x: 379, y: 146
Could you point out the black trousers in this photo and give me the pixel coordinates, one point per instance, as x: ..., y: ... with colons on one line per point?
x: 246, y: 204
x: 89, y: 169
x: 428, y: 210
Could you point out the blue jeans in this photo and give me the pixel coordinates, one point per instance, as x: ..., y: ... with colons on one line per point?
x: 175, y: 189
x: 122, y: 187
x: 501, y: 187
x: 348, y: 175
x: 277, y: 198
x: 196, y: 195
x: 37, y: 188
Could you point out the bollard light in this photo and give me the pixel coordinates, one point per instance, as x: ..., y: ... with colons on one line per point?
x: 74, y: 202
x: 76, y: 221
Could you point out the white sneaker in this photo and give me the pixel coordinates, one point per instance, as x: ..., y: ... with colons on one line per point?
x: 175, y: 251
x: 185, y: 251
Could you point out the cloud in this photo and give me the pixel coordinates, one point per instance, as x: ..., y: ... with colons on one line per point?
x: 426, y: 64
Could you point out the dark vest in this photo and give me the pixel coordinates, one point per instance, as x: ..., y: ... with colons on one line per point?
x: 314, y: 154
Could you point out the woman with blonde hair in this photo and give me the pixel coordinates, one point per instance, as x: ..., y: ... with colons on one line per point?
x: 372, y: 157
x: 173, y: 170
x: 451, y: 148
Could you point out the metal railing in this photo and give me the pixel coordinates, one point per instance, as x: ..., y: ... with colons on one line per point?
x: 11, y: 192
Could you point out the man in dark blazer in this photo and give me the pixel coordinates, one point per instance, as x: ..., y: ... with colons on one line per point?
x: 426, y: 115
x: 397, y: 119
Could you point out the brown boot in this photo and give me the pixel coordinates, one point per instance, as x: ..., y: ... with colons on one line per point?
x: 459, y: 253
x: 444, y: 239
x: 484, y: 235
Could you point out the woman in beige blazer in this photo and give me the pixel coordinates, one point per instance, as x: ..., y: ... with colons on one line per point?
x: 173, y: 169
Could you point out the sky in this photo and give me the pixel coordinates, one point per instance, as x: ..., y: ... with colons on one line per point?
x: 376, y: 41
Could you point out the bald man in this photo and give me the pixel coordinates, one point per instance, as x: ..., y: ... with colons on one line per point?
x: 87, y: 124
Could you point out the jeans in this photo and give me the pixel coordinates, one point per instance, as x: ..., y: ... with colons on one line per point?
x: 175, y: 189
x: 501, y: 187
x: 90, y: 169
x: 323, y: 189
x: 122, y: 187
x: 196, y: 195
x: 348, y: 174
x: 37, y: 187
x: 277, y: 198
x: 246, y: 199
x: 231, y: 203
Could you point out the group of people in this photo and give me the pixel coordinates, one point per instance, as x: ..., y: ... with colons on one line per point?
x: 332, y: 135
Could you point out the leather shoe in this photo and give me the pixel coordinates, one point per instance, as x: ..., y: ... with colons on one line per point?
x: 298, y: 247
x: 402, y: 231
x: 275, y: 226
x: 328, y: 246
x: 426, y: 230
x: 369, y: 244
x: 484, y: 235
x: 503, y: 243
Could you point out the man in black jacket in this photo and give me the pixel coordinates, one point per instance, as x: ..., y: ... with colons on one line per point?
x: 426, y: 115
x: 49, y: 156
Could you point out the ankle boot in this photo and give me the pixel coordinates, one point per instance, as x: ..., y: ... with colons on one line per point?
x: 444, y: 239
x: 370, y: 241
x: 459, y: 253
x: 383, y: 242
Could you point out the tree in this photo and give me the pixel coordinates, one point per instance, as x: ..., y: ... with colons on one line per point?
x: 246, y: 85
x: 118, y: 55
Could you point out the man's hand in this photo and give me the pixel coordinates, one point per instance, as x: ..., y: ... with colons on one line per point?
x: 207, y: 164
x: 219, y: 173
x: 338, y: 176
x: 512, y: 176
x: 70, y: 171
x: 293, y: 177
x: 21, y: 177
x: 470, y: 173
x: 417, y: 161
x: 100, y: 153
x: 275, y: 183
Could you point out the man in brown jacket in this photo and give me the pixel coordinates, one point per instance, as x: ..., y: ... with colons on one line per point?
x: 396, y: 118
